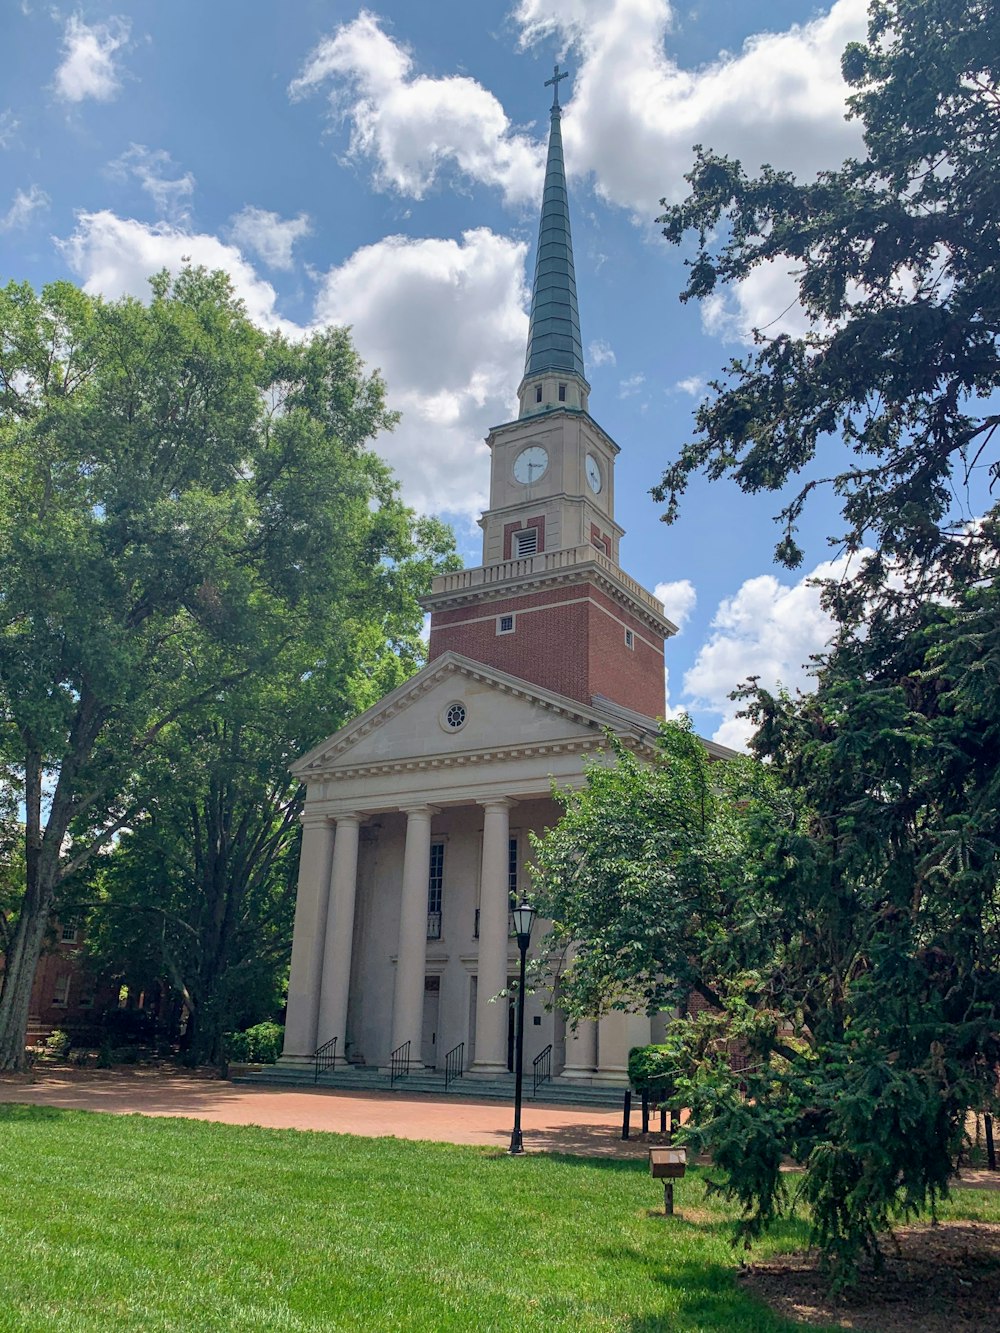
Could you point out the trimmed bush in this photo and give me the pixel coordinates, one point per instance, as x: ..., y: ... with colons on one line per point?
x: 651, y: 1070
x: 259, y: 1045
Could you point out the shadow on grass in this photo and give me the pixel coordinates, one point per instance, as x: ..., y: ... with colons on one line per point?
x: 703, y: 1295
x: 18, y: 1113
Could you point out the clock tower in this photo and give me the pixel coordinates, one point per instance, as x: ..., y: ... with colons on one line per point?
x: 550, y: 603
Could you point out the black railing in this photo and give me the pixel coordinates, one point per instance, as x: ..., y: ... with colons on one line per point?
x: 454, y: 1064
x: 541, y: 1070
x: 324, y: 1058
x: 433, y: 925
x: 399, y: 1063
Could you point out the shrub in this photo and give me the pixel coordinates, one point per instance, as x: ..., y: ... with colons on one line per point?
x: 651, y: 1069
x: 258, y: 1045
x: 58, y: 1043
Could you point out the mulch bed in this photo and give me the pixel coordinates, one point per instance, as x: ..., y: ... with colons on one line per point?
x: 936, y: 1279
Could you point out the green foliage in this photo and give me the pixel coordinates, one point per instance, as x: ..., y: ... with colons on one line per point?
x: 650, y: 1069
x: 865, y: 1007
x: 260, y: 1044
x: 58, y: 1043
x: 895, y: 263
x: 204, y: 571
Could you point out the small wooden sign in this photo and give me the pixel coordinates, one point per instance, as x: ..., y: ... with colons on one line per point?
x: 667, y: 1163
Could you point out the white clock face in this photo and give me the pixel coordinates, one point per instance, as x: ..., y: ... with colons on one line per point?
x: 530, y: 464
x: 594, y: 475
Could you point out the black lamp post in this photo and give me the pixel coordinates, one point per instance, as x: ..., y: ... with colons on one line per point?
x: 524, y: 917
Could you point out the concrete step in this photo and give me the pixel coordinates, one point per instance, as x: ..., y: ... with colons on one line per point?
x: 431, y: 1082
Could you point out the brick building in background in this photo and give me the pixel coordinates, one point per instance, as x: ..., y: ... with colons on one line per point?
x: 418, y: 814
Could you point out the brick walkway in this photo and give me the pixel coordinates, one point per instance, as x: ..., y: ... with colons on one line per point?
x: 591, y: 1133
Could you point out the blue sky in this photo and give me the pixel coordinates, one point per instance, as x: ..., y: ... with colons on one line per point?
x: 381, y: 167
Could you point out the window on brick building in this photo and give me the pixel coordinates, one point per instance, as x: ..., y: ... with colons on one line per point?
x: 60, y: 991
x: 629, y: 639
x: 68, y: 935
x: 505, y: 624
x: 525, y: 543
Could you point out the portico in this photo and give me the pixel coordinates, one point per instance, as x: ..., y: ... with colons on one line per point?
x: 409, y: 891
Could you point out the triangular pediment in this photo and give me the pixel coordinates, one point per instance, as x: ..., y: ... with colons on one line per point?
x: 454, y: 709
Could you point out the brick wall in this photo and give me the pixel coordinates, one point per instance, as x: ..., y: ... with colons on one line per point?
x: 570, y: 640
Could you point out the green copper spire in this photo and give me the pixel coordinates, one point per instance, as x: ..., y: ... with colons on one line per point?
x: 554, y: 329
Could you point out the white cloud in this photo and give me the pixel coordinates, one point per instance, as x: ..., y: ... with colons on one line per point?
x: 412, y: 126
x: 679, y: 599
x: 445, y: 322
x: 115, y: 256
x: 635, y: 114
x: 9, y: 124
x: 766, y: 629
x: 156, y: 172
x: 26, y: 204
x: 693, y: 385
x: 601, y: 353
x: 88, y: 65
x: 267, y: 235
x: 630, y: 387
x: 670, y: 711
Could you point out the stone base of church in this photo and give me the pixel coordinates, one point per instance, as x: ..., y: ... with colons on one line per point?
x: 296, y: 1062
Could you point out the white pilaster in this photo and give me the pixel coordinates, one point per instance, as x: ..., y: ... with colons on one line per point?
x: 309, y: 936
x: 494, y: 905
x: 581, y: 1051
x: 339, y: 936
x: 411, y: 958
x: 618, y: 1032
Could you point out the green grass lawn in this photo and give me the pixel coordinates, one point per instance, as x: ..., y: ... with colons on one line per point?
x: 125, y: 1223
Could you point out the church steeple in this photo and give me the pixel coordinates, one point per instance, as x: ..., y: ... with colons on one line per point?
x: 553, y: 366
x: 550, y: 603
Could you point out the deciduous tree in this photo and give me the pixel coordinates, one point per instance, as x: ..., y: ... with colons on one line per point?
x: 182, y: 499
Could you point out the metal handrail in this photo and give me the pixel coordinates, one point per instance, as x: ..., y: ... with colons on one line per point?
x: 454, y: 1064
x: 399, y: 1063
x: 541, y: 1069
x: 324, y: 1058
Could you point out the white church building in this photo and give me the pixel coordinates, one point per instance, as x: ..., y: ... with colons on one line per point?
x: 417, y: 814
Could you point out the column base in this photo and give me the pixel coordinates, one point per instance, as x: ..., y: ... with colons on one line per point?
x: 578, y: 1075
x: 487, y: 1070
x: 295, y: 1062
x: 612, y: 1078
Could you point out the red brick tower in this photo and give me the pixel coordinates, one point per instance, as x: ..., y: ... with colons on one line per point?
x: 550, y: 603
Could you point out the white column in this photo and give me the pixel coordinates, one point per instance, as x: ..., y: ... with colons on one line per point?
x: 308, y: 937
x: 618, y: 1032
x: 581, y: 1050
x: 494, y: 905
x: 339, y: 936
x: 411, y: 958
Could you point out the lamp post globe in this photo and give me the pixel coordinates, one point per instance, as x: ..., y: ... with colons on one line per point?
x: 523, y: 917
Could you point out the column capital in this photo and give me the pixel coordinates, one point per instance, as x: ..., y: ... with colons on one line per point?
x: 349, y: 817
x: 313, y: 819
x: 420, y: 811
x: 496, y: 802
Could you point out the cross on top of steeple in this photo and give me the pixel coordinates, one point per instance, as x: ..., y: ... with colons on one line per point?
x: 554, y: 81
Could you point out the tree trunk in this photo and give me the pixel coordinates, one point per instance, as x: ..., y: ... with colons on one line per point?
x: 19, y: 975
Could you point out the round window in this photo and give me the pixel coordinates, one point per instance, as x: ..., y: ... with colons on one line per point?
x: 454, y: 716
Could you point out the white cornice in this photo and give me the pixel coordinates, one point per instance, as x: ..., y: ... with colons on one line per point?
x: 614, y: 586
